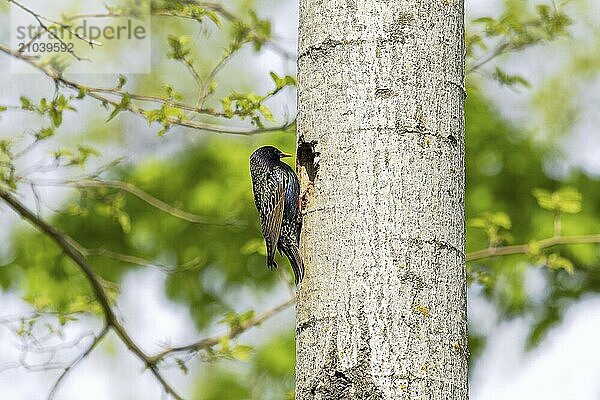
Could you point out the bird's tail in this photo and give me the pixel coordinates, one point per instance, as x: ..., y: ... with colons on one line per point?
x: 293, y: 254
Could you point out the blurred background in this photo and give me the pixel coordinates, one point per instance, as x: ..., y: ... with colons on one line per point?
x: 532, y: 146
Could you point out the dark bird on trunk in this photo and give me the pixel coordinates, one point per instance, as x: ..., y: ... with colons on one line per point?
x: 277, y: 198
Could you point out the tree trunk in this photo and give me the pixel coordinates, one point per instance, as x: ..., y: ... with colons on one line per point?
x: 382, y: 308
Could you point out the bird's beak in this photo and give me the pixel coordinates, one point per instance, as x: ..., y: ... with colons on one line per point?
x: 283, y: 155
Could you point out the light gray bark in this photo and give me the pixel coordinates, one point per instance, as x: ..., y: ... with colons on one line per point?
x: 382, y: 308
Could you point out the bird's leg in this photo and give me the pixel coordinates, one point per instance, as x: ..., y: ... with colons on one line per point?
x: 303, y: 199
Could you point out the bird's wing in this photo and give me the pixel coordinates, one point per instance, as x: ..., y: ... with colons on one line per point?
x: 273, y: 216
x: 292, y: 194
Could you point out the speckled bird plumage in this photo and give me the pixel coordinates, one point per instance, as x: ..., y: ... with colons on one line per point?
x: 277, y: 198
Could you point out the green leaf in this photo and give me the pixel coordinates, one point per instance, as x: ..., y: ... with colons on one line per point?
x: 224, y: 343
x: 480, y: 223
x: 246, y: 105
x: 122, y: 82
x: 87, y: 151
x: 235, y: 320
x: 493, y: 224
x: 26, y: 103
x: 173, y: 112
x: 567, y: 200
x: 171, y: 93
x: 123, y: 105
x: 498, y: 219
x: 83, y: 154
x: 257, y: 32
x: 280, y: 82
x: 264, y: 110
x: 241, y: 352
x: 64, y: 318
x: 534, y: 248
x: 254, y: 246
x: 62, y: 153
x: 56, y: 116
x: 81, y: 93
x: 555, y: 261
x: 124, y: 221
x: 484, y: 20
x: 163, y: 131
x: 178, y: 44
x: 44, y: 133
x: 508, y: 79
x: 182, y: 366
x: 164, y: 115
x: 63, y: 103
x: 501, y: 219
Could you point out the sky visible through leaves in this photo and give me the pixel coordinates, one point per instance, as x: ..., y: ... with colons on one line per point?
x: 199, y: 266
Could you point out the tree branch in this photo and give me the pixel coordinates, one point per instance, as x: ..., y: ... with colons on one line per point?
x: 142, y: 195
x: 526, y: 248
x: 498, y: 51
x: 99, y: 94
x: 97, y: 339
x: 74, y: 252
x: 40, y: 20
x: 214, y: 340
x: 143, y: 262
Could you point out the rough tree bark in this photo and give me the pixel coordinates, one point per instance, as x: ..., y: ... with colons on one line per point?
x: 382, y: 309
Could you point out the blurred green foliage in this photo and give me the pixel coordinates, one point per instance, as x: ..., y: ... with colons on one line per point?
x: 270, y: 376
x: 505, y: 174
x: 210, y: 180
x: 510, y: 199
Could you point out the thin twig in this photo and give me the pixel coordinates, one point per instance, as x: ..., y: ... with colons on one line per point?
x: 95, y: 93
x: 140, y: 194
x: 205, y: 89
x: 233, y: 333
x: 143, y: 262
x: 526, y: 248
x: 40, y: 20
x: 74, y: 252
x: 75, y: 362
x: 499, y: 50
